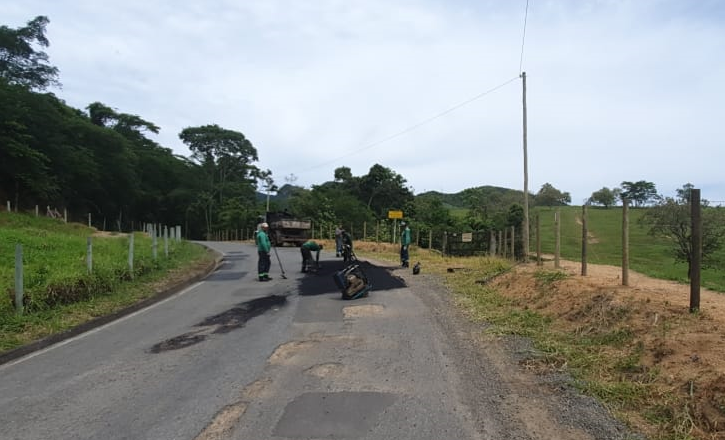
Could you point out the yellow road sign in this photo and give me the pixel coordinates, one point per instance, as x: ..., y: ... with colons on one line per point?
x: 395, y: 214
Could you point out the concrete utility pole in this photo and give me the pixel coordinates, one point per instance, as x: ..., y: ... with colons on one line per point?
x: 526, y: 181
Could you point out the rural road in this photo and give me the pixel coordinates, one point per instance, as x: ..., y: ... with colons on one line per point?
x: 233, y: 358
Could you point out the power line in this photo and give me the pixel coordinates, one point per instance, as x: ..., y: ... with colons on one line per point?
x: 523, y: 39
x: 414, y: 126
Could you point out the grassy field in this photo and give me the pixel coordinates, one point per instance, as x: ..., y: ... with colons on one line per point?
x: 59, y: 292
x: 649, y: 255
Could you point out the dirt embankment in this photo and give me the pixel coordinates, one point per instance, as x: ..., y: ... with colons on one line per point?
x: 676, y: 355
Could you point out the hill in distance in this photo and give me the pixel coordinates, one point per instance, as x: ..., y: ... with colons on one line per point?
x: 451, y: 200
x: 483, y: 193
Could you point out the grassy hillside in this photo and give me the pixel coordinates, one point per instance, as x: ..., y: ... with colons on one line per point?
x: 649, y: 255
x: 59, y: 292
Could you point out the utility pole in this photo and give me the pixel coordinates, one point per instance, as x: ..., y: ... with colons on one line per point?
x: 526, y: 181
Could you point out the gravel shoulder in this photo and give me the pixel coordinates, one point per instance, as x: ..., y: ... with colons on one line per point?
x: 492, y: 374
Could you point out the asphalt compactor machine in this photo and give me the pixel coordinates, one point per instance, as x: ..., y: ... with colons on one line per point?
x: 352, y: 281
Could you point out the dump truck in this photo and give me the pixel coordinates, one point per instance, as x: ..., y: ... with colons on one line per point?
x: 286, y: 228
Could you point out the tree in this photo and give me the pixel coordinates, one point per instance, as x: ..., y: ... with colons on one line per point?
x: 382, y: 189
x: 550, y: 196
x: 131, y: 126
x: 268, y: 184
x: 23, y: 168
x: 343, y: 174
x: 683, y: 194
x: 20, y: 62
x: 226, y: 158
x: 670, y: 218
x: 640, y: 193
x: 605, y: 197
x: 428, y: 210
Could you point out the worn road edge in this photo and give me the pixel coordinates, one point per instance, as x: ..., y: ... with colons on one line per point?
x: 102, y: 320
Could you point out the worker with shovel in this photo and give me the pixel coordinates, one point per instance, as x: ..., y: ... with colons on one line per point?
x: 263, y: 248
x: 307, y: 261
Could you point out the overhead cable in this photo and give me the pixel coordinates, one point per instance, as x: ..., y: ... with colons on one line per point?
x: 414, y: 126
x: 523, y: 39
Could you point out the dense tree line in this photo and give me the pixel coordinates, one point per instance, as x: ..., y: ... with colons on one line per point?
x: 101, y: 161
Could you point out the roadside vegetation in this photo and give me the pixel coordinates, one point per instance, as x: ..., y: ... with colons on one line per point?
x: 59, y: 292
x: 613, y: 344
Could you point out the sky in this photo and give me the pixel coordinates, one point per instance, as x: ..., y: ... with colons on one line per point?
x: 616, y: 90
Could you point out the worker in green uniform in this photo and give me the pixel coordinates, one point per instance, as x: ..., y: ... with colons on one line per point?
x: 306, y: 249
x: 263, y: 248
x: 404, y: 244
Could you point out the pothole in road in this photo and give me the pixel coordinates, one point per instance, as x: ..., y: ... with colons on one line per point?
x: 286, y: 351
x: 325, y: 370
x: 362, y: 311
x: 225, y: 322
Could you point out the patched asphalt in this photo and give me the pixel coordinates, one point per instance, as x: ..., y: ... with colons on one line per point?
x: 322, y: 282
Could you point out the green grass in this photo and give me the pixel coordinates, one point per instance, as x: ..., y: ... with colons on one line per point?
x: 649, y: 255
x: 59, y: 291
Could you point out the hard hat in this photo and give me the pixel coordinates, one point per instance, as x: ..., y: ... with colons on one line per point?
x: 265, y: 225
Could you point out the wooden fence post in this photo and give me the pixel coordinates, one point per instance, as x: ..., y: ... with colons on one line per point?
x: 513, y: 243
x: 557, y: 238
x: 500, y: 246
x: 696, y: 246
x: 539, y: 262
x: 505, y: 243
x: 625, y: 242
x: 585, y: 234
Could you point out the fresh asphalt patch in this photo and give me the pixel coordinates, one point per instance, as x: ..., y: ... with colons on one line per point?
x: 224, y: 322
x: 322, y: 281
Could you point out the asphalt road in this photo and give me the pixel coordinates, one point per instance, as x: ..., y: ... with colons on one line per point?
x: 234, y: 358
